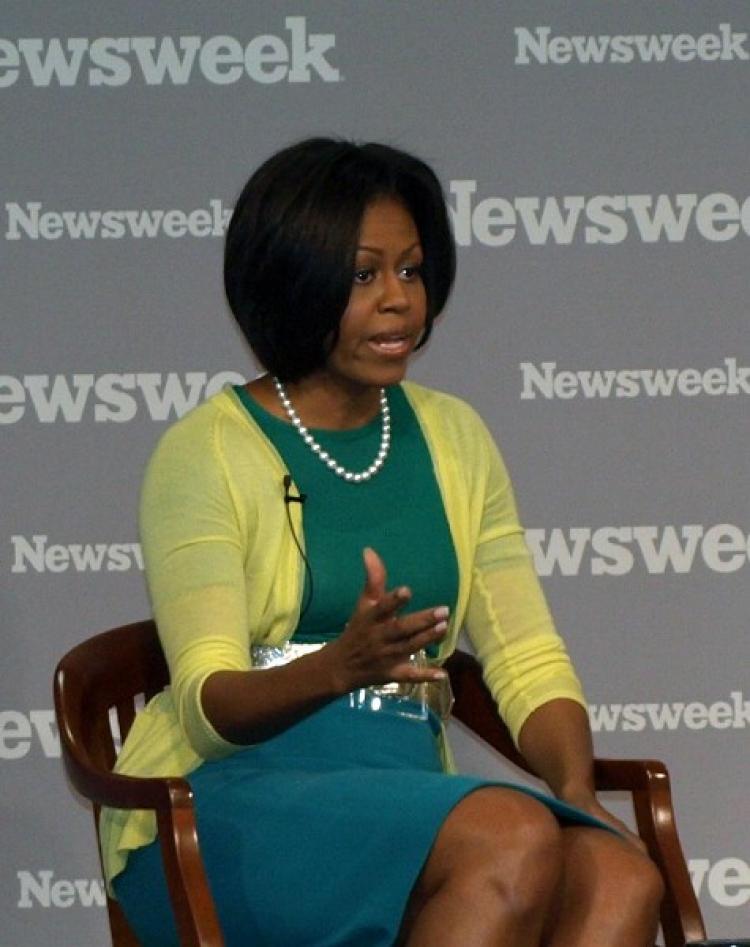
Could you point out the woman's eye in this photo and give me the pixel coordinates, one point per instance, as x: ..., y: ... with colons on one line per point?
x: 411, y: 272
x: 363, y: 276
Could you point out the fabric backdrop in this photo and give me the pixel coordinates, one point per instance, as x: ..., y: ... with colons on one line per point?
x: 595, y: 160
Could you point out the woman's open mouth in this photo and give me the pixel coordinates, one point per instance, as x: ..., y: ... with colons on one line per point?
x: 391, y: 344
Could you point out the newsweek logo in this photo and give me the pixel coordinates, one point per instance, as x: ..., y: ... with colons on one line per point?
x: 656, y: 550
x: 296, y: 57
x: 44, y: 890
x: 24, y: 732
x: 546, y: 380
x: 726, y: 881
x: 493, y: 221
x: 37, y: 554
x: 31, y: 732
x: 730, y: 714
x: 608, y: 219
x: 36, y: 221
x: 107, y: 398
x: 540, y: 46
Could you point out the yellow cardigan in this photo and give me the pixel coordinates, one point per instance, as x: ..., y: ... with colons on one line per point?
x: 223, y: 571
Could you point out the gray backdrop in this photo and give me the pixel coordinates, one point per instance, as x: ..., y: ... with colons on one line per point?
x: 595, y: 156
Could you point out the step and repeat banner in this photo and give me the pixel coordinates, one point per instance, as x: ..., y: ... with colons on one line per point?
x: 595, y: 158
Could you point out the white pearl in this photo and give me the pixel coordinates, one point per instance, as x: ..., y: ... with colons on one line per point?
x: 349, y: 476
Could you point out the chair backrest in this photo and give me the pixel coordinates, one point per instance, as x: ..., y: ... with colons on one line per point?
x: 99, y: 686
x: 476, y: 709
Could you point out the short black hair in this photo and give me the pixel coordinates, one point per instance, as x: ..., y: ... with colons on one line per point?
x: 291, y: 244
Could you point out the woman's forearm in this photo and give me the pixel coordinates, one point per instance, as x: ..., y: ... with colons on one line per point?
x: 556, y: 742
x: 247, y: 707
x: 374, y: 647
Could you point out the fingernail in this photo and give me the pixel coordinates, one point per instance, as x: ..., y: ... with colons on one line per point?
x: 441, y: 627
x: 440, y: 675
x: 442, y: 611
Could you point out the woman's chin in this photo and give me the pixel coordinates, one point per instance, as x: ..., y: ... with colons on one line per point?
x: 382, y: 374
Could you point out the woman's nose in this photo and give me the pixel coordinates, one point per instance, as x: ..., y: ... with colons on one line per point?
x: 394, y: 293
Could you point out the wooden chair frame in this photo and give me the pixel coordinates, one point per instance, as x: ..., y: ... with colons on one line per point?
x: 103, y: 677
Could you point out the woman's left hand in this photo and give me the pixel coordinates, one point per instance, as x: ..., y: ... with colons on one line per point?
x: 586, y: 800
x: 556, y: 742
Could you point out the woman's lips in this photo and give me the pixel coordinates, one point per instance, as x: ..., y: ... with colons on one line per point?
x: 392, y: 344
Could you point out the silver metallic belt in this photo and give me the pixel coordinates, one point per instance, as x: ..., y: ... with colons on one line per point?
x: 395, y: 697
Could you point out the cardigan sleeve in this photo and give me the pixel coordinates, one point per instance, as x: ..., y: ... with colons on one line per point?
x: 524, y: 659
x: 191, y: 531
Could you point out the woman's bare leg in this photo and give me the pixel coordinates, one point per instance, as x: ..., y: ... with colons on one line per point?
x: 491, y: 876
x: 610, y: 893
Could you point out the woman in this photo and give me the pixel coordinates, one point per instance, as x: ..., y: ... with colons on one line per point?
x: 324, y: 812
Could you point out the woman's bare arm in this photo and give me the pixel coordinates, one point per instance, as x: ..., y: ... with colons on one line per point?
x: 556, y: 742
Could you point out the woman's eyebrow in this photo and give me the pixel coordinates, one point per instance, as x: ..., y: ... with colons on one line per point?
x: 378, y: 250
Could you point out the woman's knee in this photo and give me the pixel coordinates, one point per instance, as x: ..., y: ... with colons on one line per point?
x: 503, y: 840
x: 615, y: 870
x: 644, y: 882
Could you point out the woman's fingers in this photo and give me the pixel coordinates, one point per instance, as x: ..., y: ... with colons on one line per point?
x: 375, y: 575
x: 433, y: 621
x: 596, y: 809
x: 417, y: 673
x: 377, y: 642
x: 385, y: 605
x: 390, y: 602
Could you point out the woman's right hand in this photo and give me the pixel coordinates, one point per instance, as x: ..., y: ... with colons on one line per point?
x: 374, y: 648
x: 377, y: 644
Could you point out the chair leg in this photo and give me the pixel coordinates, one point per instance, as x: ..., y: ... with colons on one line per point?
x: 122, y: 934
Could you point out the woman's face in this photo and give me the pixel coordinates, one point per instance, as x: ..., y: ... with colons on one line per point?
x: 387, y: 307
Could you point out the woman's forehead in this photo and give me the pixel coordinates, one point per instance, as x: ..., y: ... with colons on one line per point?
x: 386, y: 221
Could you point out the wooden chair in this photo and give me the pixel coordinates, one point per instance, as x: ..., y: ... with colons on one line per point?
x: 103, y: 679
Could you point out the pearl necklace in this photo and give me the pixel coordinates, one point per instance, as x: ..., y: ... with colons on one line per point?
x: 349, y: 475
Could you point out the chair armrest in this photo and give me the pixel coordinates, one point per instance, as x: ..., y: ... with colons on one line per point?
x: 88, y: 684
x: 129, y: 792
x: 171, y: 798
x: 648, y: 781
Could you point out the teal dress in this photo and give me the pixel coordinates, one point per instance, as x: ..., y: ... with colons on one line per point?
x: 316, y: 836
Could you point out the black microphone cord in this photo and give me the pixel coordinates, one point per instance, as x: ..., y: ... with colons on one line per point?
x: 288, y: 500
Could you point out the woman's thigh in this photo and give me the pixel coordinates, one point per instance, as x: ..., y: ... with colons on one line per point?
x: 492, y: 832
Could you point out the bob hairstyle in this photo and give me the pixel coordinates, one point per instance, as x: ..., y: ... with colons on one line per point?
x: 291, y: 245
